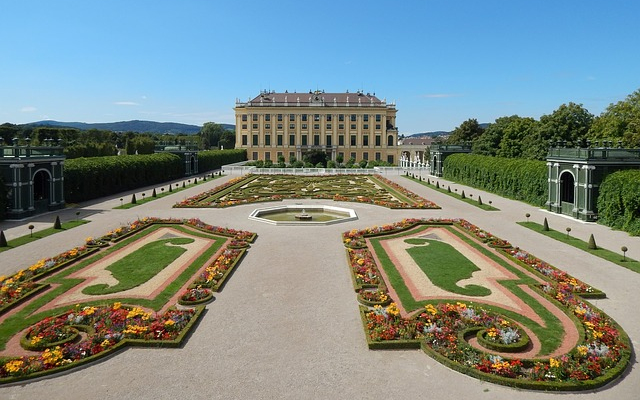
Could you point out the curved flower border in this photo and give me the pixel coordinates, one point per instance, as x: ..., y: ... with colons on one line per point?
x: 442, y: 329
x: 105, y: 328
x: 108, y: 328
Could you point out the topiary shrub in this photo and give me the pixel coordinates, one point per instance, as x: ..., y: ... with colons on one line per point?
x: 592, y: 243
x: 57, y: 224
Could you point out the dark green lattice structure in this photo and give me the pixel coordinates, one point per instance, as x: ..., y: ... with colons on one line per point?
x: 575, y: 175
x: 33, y: 178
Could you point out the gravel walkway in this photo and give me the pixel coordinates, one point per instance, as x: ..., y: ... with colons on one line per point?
x: 286, y: 325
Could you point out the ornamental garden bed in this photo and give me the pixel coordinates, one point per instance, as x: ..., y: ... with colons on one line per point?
x: 482, y: 307
x: 355, y: 188
x: 87, y: 303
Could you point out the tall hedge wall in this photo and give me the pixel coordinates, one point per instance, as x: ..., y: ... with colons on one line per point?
x: 519, y: 179
x: 619, y: 201
x: 90, y: 178
x: 214, y: 159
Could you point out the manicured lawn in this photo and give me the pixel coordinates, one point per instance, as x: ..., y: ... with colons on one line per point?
x: 445, y: 267
x: 137, y: 268
x: 11, y: 244
x: 548, y: 334
x: 612, y: 256
x: 126, y: 203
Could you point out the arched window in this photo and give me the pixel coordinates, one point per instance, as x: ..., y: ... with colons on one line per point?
x: 390, y: 140
x: 41, y: 188
x: 567, y: 183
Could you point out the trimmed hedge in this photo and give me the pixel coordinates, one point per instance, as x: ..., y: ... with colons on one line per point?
x: 619, y: 201
x: 90, y: 178
x: 214, y: 159
x: 518, y: 179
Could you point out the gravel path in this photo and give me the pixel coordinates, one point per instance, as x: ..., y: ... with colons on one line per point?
x: 286, y: 325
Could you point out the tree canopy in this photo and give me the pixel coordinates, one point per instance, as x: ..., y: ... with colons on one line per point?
x: 619, y: 122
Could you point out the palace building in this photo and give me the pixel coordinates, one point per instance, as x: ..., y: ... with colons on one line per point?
x: 352, y: 125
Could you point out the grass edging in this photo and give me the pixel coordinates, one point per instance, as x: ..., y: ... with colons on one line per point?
x: 476, y: 203
x: 22, y: 240
x: 600, y: 252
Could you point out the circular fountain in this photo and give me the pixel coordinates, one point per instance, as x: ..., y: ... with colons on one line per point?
x: 303, y: 215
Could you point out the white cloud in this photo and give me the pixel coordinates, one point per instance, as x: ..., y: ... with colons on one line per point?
x: 28, y: 109
x: 126, y: 103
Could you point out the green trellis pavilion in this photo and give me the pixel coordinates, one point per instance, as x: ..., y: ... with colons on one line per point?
x: 575, y: 174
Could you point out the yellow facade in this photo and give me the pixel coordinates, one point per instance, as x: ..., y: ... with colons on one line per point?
x: 354, y: 125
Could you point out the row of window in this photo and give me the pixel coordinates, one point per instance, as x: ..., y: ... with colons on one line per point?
x: 365, y: 156
x: 316, y: 117
x: 303, y: 126
x: 353, y: 140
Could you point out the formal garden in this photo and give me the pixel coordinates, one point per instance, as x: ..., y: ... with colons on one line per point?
x: 482, y: 307
x: 87, y: 303
x: 375, y: 190
x: 465, y: 297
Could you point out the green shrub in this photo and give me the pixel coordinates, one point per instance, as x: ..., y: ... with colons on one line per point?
x: 214, y: 159
x: 619, y: 201
x: 519, y: 179
x: 90, y: 178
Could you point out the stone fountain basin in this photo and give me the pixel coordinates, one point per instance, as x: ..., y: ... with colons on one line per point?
x: 340, y: 214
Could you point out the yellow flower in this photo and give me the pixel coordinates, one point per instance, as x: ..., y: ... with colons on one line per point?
x: 53, y: 357
x: 105, y: 343
x: 393, y: 309
x: 431, y: 309
x: 553, y: 363
x: 582, y: 350
x: 89, y: 310
x: 135, y: 329
x: 14, y: 366
x: 169, y: 322
x: 35, y: 340
x: 117, y: 305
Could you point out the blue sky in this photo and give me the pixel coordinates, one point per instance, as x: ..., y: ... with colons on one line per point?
x: 187, y: 61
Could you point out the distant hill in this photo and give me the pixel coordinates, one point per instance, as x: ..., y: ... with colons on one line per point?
x: 483, y: 125
x: 435, y: 133
x: 172, y: 128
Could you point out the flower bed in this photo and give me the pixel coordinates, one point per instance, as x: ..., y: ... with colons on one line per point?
x: 443, y: 329
x: 196, y: 295
x: 372, y: 298
x: 89, y: 332
x: 19, y: 286
x: 215, y: 274
x: 252, y: 189
x: 111, y: 327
